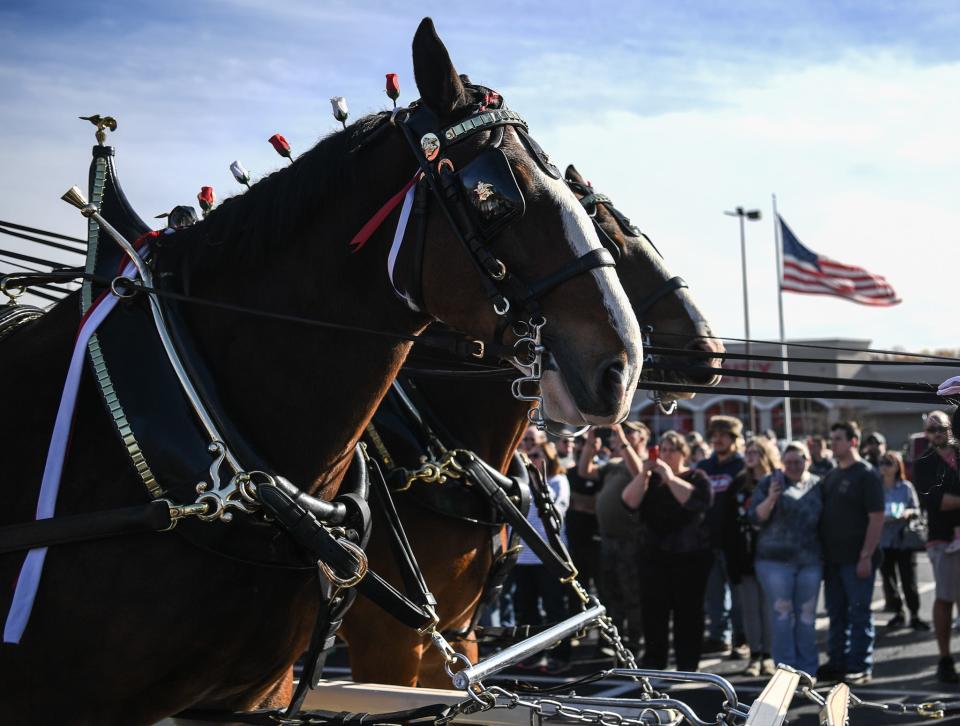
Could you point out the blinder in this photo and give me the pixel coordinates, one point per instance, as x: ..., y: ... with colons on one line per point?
x: 491, y: 192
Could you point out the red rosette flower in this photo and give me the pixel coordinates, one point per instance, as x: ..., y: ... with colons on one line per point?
x: 280, y: 145
x: 393, y: 87
x: 207, y: 199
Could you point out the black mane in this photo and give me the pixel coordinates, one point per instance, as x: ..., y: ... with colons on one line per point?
x: 281, y: 205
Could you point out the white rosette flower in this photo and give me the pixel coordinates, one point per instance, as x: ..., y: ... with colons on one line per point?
x: 240, y: 174
x: 340, y: 110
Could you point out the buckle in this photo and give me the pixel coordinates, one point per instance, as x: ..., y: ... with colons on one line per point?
x: 362, y: 566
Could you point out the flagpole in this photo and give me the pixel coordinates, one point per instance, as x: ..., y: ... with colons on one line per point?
x: 785, y: 365
x: 744, y: 214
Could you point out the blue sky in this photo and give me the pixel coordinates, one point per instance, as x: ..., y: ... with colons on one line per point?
x: 847, y: 111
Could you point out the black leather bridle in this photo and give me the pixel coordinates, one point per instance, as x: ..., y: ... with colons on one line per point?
x: 590, y: 200
x: 465, y: 201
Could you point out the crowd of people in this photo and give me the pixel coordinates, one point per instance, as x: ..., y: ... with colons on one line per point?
x: 722, y: 542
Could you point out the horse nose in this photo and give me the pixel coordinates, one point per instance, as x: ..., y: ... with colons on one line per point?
x: 707, y: 345
x: 612, y: 380
x: 714, y: 350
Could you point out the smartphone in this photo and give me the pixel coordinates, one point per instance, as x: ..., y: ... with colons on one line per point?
x: 654, y: 452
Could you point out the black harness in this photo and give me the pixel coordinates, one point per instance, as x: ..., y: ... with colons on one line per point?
x: 174, y: 441
x: 590, y: 200
x: 480, y: 200
x: 454, y: 482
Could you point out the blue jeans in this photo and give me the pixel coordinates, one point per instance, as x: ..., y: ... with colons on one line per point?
x: 851, y: 634
x: 722, y: 603
x: 791, y: 592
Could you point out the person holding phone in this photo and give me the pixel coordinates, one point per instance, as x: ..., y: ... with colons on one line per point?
x: 675, y: 554
x: 740, y: 547
x: 787, y: 506
x: 618, y: 528
x: 900, y: 506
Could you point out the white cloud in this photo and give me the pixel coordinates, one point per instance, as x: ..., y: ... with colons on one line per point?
x: 858, y: 153
x: 676, y: 125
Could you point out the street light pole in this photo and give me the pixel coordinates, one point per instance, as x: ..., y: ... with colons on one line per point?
x: 751, y: 214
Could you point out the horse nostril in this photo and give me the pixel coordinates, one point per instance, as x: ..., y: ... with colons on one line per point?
x: 613, y: 378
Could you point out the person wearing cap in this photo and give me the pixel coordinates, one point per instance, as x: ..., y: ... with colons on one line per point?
x: 619, y: 528
x: 936, y: 477
x: 722, y: 466
x: 874, y: 447
x: 850, y: 531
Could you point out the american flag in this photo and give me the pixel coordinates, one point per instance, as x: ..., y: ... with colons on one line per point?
x: 806, y: 271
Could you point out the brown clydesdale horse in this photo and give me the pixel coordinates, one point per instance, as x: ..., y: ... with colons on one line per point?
x: 456, y: 556
x: 131, y: 629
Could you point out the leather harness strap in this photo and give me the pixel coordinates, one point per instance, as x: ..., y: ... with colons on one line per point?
x: 68, y: 528
x: 486, y: 478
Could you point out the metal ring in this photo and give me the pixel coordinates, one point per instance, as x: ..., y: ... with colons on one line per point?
x: 568, y: 434
x: 362, y: 566
x: 448, y: 666
x: 121, y: 280
x: 445, y: 162
x: 670, y: 409
x: 501, y: 270
x: 506, y: 307
x: 13, y: 293
x: 248, y: 487
x: 216, y: 504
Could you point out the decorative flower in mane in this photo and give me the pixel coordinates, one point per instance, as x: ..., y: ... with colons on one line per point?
x: 340, y: 110
x: 207, y: 199
x: 240, y: 174
x: 393, y: 88
x: 281, y: 146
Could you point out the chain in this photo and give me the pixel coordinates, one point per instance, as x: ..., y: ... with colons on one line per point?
x: 929, y: 709
x: 438, y: 472
x: 497, y: 697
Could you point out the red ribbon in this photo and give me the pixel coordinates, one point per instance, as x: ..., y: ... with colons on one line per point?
x: 367, y: 230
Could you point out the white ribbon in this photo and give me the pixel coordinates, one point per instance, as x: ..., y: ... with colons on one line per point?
x: 950, y: 387
x: 398, y: 243
x: 29, y: 580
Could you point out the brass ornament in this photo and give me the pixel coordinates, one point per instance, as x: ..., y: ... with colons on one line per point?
x: 102, y: 123
x: 430, y: 145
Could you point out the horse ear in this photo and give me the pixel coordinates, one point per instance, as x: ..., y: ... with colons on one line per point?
x: 441, y: 89
x: 573, y: 175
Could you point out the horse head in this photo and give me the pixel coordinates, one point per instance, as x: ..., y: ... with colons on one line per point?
x: 535, y: 250
x: 662, y: 303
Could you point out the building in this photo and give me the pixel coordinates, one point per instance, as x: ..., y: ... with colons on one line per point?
x: 810, y: 416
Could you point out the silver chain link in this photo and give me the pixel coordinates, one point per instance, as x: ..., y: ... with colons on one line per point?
x: 497, y: 697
